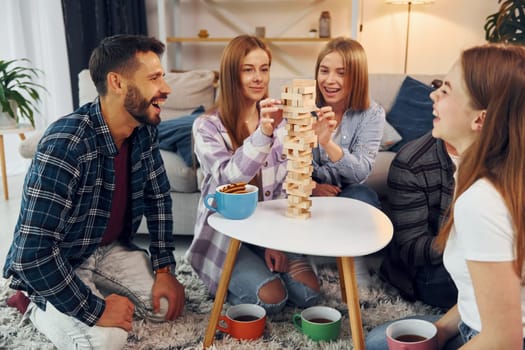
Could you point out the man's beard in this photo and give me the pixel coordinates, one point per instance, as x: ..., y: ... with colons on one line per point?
x: 137, y: 106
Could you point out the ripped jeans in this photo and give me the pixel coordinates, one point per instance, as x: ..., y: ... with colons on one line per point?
x: 250, y: 273
x: 110, y: 269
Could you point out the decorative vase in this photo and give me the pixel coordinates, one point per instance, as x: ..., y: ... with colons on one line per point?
x: 324, y: 25
x: 6, y: 121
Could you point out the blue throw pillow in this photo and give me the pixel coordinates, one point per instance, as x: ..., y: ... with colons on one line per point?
x: 411, y: 114
x: 175, y: 135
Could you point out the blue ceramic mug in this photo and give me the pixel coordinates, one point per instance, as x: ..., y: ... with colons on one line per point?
x: 235, y: 206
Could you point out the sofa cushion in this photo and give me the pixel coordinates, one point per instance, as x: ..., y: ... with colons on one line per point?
x: 191, y: 89
x: 86, y: 89
x: 377, y: 178
x: 390, y: 137
x: 411, y: 114
x: 175, y: 135
x: 182, y: 178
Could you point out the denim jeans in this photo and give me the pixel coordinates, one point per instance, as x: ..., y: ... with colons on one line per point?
x: 361, y: 192
x: 467, y: 333
x: 111, y: 269
x: 434, y: 286
x: 250, y: 273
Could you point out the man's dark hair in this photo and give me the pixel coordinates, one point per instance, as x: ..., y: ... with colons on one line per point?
x: 117, y: 54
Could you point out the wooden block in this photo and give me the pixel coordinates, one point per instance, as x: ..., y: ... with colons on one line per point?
x: 299, y: 192
x: 298, y: 103
x: 291, y: 199
x: 298, y: 153
x: 297, y: 146
x: 299, y: 163
x: 292, y: 190
x: 298, y: 213
x: 307, y: 135
x: 293, y: 176
x: 302, y: 119
x: 306, y: 159
x: 304, y: 137
x: 292, y: 183
x: 298, y: 112
x: 302, y: 170
x: 297, y: 128
x: 294, y: 142
x: 299, y: 202
x: 299, y: 189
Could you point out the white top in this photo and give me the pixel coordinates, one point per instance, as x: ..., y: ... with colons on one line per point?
x: 482, y: 231
x: 338, y: 227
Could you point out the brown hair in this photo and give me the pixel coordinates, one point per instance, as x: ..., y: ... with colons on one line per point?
x: 356, y: 71
x: 494, y: 77
x: 231, y: 101
x: 118, y: 54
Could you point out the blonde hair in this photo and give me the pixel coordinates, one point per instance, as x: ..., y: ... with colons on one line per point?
x: 231, y: 101
x: 356, y: 71
x: 494, y: 76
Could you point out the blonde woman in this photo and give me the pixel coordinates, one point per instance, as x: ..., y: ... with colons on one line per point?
x: 350, y: 125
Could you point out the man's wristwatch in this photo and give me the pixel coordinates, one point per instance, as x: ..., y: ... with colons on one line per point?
x: 166, y: 269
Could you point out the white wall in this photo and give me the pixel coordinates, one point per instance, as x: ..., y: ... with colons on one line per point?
x: 438, y: 31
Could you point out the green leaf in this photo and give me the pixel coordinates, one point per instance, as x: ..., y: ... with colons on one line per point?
x: 19, y: 83
x: 508, y: 24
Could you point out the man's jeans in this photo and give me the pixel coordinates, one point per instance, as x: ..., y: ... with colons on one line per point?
x: 111, y: 269
x: 434, y: 286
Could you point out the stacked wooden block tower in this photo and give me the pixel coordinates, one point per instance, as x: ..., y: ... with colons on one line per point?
x: 298, y: 103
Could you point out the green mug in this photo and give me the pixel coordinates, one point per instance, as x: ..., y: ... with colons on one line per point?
x: 319, y: 322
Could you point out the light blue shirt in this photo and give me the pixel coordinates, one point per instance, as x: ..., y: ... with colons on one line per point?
x: 359, y: 135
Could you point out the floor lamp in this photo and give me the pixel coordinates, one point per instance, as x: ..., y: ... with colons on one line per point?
x: 409, y: 3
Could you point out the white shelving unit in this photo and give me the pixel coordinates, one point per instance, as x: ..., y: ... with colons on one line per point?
x: 218, y: 8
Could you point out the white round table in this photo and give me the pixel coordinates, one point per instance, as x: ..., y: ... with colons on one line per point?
x: 340, y: 227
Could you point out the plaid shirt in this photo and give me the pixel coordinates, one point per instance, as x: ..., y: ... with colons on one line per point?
x: 259, y: 154
x: 66, y: 206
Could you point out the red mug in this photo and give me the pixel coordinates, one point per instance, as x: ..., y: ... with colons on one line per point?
x: 411, y: 334
x: 243, y: 321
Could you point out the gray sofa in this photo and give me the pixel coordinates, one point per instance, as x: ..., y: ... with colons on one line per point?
x: 195, y: 88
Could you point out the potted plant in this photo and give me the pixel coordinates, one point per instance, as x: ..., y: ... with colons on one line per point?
x: 19, y: 93
x: 508, y: 24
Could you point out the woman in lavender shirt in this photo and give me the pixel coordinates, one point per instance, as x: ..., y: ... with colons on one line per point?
x: 240, y: 140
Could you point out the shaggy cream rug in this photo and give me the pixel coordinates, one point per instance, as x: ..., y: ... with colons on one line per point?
x: 378, y: 304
